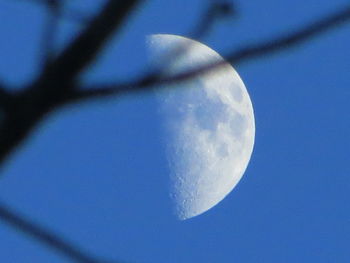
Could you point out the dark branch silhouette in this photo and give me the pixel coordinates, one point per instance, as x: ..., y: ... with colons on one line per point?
x: 22, y: 111
x: 214, y: 12
x: 289, y: 40
x: 57, y: 80
x: 248, y: 52
x: 46, y: 237
x: 58, y: 84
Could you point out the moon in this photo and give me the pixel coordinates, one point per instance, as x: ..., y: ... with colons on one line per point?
x: 209, y: 124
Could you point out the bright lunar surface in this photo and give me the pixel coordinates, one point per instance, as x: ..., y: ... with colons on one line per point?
x: 209, y: 123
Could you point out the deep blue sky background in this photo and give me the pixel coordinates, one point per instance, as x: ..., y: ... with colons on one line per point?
x: 96, y: 173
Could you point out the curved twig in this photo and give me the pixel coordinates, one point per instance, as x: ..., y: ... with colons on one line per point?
x: 248, y: 52
x: 46, y: 237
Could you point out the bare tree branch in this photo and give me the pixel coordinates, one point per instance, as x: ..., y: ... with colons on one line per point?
x: 215, y: 11
x: 56, y: 80
x: 57, y: 85
x: 51, y: 240
x: 300, y: 36
x: 27, y: 108
x: 244, y: 54
x: 83, y: 51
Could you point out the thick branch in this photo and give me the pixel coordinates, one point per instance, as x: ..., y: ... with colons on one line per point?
x: 83, y: 51
x: 51, y: 88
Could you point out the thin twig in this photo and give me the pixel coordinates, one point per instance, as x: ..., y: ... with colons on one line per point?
x: 214, y: 12
x: 73, y: 15
x: 248, y: 52
x: 51, y: 240
x: 287, y: 41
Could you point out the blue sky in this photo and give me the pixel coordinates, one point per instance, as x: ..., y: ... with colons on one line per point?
x: 97, y: 172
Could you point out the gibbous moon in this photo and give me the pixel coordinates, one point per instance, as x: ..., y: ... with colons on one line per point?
x: 209, y: 123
